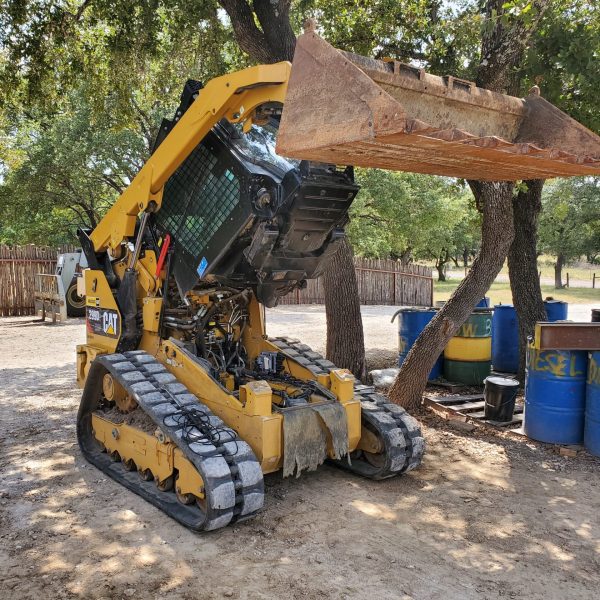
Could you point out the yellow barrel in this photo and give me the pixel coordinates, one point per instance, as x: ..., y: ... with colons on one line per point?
x: 468, y: 355
x: 472, y: 349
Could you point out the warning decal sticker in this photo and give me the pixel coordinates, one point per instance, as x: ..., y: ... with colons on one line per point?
x: 202, y: 267
x: 104, y: 321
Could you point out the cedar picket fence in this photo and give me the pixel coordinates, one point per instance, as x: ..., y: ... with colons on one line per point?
x: 18, y: 268
x: 380, y: 281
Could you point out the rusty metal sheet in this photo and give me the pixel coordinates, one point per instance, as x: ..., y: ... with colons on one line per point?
x: 346, y: 109
x: 567, y: 336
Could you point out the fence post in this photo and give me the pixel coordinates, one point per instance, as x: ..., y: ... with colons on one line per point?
x: 567, y: 279
x: 431, y: 291
x: 594, y: 281
x: 394, y: 287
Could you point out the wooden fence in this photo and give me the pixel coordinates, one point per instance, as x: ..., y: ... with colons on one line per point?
x: 380, y: 281
x: 18, y: 268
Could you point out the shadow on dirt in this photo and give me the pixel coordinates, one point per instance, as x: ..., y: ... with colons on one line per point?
x: 483, y: 517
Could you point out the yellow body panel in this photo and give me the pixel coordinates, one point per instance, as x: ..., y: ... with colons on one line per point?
x: 151, y: 313
x: 99, y: 298
x: 149, y: 452
x: 133, y: 444
x: 85, y: 355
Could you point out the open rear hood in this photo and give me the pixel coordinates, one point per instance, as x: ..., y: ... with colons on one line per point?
x: 351, y: 110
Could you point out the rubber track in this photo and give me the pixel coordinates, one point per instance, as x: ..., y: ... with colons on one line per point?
x: 404, y: 445
x: 231, y: 474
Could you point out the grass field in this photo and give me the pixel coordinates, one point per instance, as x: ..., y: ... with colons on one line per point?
x: 578, y: 271
x: 500, y: 293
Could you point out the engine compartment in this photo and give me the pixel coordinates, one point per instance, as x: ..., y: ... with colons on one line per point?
x: 212, y: 327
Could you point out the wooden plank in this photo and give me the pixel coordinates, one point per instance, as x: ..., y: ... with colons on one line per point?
x: 469, y: 406
x: 517, y: 420
x: 457, y: 399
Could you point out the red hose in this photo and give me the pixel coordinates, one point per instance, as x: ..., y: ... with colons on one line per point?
x: 163, y: 254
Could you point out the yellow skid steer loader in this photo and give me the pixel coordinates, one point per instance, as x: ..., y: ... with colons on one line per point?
x: 186, y: 402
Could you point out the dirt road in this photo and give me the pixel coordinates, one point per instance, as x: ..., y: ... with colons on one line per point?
x: 485, y: 517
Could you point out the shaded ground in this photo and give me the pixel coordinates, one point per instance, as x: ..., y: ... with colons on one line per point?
x: 485, y: 517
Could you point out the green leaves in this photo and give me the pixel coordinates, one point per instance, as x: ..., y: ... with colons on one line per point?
x: 563, y: 60
x: 411, y: 216
x: 570, y: 219
x: 67, y: 173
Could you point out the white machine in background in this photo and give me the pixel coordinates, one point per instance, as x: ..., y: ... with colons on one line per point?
x: 56, y: 294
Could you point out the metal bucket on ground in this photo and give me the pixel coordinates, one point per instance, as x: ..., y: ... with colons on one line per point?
x: 411, y: 322
x: 555, y: 395
x: 505, y: 339
x: 467, y: 356
x: 500, y: 394
x: 591, y: 434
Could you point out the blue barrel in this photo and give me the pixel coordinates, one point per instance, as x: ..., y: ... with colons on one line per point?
x: 555, y: 382
x: 505, y: 339
x: 556, y: 310
x: 591, y: 434
x: 410, y: 324
x: 483, y: 303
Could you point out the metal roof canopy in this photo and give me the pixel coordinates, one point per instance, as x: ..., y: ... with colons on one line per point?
x: 348, y: 109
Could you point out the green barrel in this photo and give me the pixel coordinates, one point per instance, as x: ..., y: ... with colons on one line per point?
x: 478, y: 325
x: 467, y: 372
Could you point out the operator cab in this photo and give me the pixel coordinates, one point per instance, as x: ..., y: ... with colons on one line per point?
x: 240, y: 214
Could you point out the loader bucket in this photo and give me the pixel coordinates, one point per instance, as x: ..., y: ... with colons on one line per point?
x: 347, y: 109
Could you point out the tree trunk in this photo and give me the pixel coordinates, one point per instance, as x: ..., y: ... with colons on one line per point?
x: 495, y: 198
x: 558, y: 266
x: 522, y: 266
x: 503, y: 45
x: 465, y: 258
x: 345, y: 337
x: 440, y: 269
x: 274, y: 40
x: 406, y: 257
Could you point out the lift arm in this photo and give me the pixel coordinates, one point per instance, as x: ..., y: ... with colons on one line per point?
x: 234, y: 97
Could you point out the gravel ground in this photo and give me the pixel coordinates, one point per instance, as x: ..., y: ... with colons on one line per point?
x: 486, y: 516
